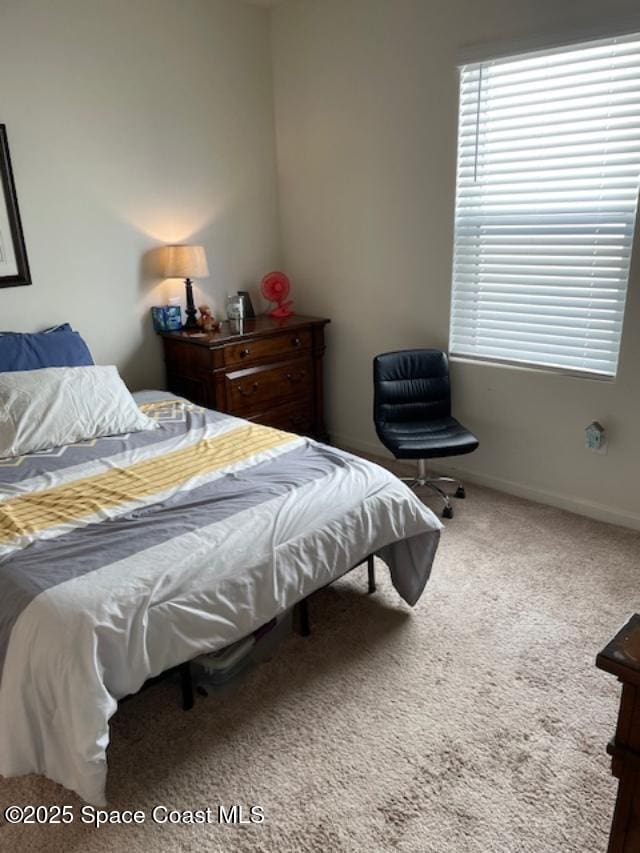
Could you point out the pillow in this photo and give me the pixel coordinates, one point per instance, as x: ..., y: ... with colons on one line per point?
x: 59, y: 327
x: 41, y: 409
x: 59, y: 346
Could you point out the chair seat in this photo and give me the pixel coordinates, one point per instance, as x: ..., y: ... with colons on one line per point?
x: 427, y: 439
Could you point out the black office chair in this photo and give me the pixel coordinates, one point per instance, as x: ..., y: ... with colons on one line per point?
x: 412, y: 414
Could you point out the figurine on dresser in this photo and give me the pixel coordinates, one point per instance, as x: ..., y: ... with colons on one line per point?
x: 206, y: 321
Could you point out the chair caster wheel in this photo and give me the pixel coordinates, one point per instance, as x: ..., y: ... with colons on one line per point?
x: 460, y: 492
x: 447, y: 512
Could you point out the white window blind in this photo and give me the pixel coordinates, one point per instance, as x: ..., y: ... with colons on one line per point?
x: 547, y: 190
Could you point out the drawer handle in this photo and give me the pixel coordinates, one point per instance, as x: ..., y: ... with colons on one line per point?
x: 296, y: 342
x: 297, y: 378
x: 245, y: 352
x: 247, y: 392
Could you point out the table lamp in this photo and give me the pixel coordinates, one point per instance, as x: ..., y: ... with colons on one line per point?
x: 187, y: 262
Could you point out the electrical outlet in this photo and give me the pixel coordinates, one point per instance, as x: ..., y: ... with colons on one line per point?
x: 596, y: 438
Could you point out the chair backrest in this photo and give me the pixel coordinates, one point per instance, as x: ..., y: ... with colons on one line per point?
x: 411, y: 385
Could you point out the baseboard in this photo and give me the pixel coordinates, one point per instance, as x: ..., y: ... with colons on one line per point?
x: 545, y: 496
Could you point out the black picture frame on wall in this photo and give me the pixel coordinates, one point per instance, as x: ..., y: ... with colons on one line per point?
x: 14, y: 264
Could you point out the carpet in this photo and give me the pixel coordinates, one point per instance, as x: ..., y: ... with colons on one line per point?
x: 474, y: 722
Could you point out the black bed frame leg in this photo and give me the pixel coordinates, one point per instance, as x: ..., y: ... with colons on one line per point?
x: 371, y: 571
x: 304, y: 626
x: 187, y: 686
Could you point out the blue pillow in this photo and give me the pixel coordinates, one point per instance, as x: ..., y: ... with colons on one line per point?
x: 59, y: 346
x: 60, y: 327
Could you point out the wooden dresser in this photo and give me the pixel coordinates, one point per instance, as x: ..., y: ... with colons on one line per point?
x: 621, y: 657
x: 271, y: 374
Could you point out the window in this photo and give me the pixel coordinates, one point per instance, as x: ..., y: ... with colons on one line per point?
x: 547, y: 190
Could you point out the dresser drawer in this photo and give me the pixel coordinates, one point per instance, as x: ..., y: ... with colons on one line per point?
x: 248, y: 389
x: 246, y: 352
x: 293, y: 417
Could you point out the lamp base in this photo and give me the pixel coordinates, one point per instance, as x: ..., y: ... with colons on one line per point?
x: 191, y: 323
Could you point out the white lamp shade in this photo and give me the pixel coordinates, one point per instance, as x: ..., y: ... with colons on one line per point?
x: 184, y: 262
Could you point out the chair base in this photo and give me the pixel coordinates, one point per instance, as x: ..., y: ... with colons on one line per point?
x: 430, y: 481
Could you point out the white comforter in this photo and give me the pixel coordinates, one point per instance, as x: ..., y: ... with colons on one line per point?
x: 109, y: 576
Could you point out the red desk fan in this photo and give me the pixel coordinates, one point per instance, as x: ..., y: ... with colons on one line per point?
x: 275, y: 287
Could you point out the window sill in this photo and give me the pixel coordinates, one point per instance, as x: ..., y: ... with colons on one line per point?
x: 531, y: 368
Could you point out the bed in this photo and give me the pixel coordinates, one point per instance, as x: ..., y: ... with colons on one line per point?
x: 125, y: 556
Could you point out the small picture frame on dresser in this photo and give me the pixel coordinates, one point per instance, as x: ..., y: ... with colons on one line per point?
x: 249, y: 312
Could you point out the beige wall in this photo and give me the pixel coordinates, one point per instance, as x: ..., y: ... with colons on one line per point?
x: 366, y: 128
x: 134, y: 123
x: 138, y: 122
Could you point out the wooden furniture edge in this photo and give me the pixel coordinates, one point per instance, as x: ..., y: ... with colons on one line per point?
x: 621, y: 657
x: 225, y: 335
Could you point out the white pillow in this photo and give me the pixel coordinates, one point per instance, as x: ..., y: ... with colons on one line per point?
x: 41, y: 409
